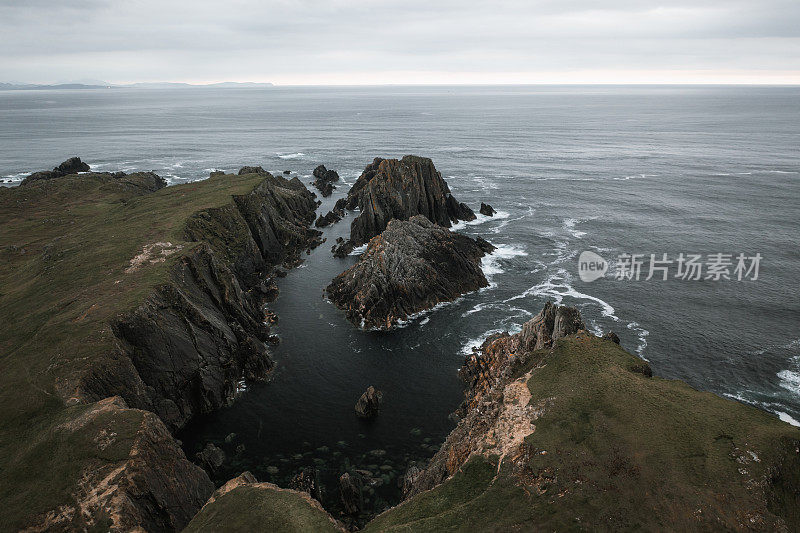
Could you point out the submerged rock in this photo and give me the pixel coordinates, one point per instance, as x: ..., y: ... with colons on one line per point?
x: 391, y: 189
x: 211, y: 458
x: 412, y: 266
x: 487, y: 210
x: 350, y: 493
x: 307, y: 480
x: 369, y: 404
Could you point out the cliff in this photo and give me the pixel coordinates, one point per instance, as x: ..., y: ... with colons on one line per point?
x: 113, y: 286
x: 564, y: 430
x: 399, y: 189
x: 412, y: 266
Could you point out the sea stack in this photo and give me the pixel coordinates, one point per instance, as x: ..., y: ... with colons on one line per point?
x: 410, y: 267
x: 400, y: 189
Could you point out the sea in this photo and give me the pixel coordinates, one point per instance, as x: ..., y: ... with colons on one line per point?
x: 709, y: 172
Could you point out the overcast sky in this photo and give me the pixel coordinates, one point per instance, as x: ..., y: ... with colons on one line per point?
x: 408, y: 41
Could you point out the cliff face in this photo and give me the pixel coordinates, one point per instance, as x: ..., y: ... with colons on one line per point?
x: 196, y: 337
x: 412, y: 266
x: 564, y: 430
x: 391, y: 189
x: 113, y: 286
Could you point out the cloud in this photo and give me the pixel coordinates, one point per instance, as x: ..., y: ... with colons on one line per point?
x: 45, y: 40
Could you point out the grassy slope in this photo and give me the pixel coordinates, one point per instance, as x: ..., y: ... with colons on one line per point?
x: 622, y: 452
x: 64, y: 247
x: 250, y: 508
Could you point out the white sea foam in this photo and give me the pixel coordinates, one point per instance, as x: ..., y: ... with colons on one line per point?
x: 479, y: 219
x: 358, y: 250
x: 790, y: 380
x: 294, y: 155
x: 569, y: 226
x: 491, y: 264
x: 635, y: 176
x: 471, y: 344
x: 642, y: 334
x: 786, y: 417
x: 557, y: 286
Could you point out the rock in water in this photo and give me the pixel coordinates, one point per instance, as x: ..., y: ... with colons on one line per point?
x: 324, y: 180
x: 391, y: 189
x: 487, y: 210
x: 412, y: 266
x: 350, y: 493
x: 369, y: 404
x: 211, y: 458
x: 323, y: 173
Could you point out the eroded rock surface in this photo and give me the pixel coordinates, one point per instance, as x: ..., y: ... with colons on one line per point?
x: 412, y: 266
x: 400, y: 189
x: 369, y: 404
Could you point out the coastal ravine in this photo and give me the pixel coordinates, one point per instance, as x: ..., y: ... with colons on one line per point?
x: 300, y: 429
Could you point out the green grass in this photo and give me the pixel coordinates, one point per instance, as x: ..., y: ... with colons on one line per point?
x: 616, y: 450
x: 64, y: 248
x: 258, y: 508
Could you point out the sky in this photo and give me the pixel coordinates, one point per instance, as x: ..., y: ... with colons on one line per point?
x: 310, y: 42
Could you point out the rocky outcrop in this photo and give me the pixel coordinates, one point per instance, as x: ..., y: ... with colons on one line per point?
x: 140, y: 481
x: 369, y: 404
x: 350, y: 493
x: 331, y: 217
x: 251, y: 170
x: 211, y: 457
x: 206, y: 325
x: 137, y: 182
x: 412, y: 266
x: 487, y: 210
x: 71, y: 166
x: 324, y: 179
x: 307, y: 480
x: 322, y: 173
x: 487, y: 372
x: 391, y: 189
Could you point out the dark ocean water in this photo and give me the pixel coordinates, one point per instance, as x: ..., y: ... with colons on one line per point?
x: 608, y: 169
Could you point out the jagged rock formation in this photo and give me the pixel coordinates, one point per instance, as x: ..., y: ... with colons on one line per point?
x: 71, y: 166
x: 412, y: 266
x: 331, y: 217
x: 151, y: 294
x: 206, y: 326
x: 350, y: 493
x: 391, y: 189
x: 324, y: 174
x: 369, y: 404
x: 251, y: 170
x: 487, y: 210
x: 324, y: 180
x: 211, y: 457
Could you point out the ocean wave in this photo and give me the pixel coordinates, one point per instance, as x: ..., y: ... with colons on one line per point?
x: 294, y: 155
x: 790, y: 380
x: 476, y: 342
x: 479, y: 219
x: 635, y: 176
x: 642, y: 334
x: 491, y: 263
x: 358, y: 250
x: 775, y: 408
x: 557, y: 286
